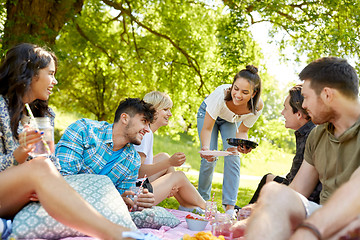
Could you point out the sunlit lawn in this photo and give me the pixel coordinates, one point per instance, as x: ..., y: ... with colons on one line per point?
x: 262, y: 160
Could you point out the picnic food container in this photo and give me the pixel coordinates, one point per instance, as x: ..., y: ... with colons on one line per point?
x: 196, y: 224
x: 241, y: 142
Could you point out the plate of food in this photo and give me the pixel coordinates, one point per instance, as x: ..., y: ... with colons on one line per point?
x: 242, y: 142
x: 215, y: 153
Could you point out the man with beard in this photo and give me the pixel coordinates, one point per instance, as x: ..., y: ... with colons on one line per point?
x: 332, y: 155
x: 98, y: 147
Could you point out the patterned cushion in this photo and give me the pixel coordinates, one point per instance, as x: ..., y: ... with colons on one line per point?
x: 34, y: 222
x: 154, y: 217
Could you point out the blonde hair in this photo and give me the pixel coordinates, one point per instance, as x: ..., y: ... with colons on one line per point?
x: 159, y: 100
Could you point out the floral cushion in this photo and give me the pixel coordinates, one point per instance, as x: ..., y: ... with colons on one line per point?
x: 154, y: 217
x: 34, y: 222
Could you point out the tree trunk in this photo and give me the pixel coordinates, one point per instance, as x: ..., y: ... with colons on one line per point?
x: 37, y: 21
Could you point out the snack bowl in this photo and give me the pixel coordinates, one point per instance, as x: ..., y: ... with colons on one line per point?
x: 196, y: 224
x: 239, y: 142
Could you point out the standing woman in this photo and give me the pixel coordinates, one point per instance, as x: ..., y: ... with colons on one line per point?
x: 27, y: 76
x: 232, y: 110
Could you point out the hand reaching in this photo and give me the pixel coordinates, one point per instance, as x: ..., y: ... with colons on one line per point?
x: 177, y: 159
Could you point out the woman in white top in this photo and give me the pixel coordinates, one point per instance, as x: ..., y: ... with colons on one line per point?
x: 232, y: 109
x: 160, y: 168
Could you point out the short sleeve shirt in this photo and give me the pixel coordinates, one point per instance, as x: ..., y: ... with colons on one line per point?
x: 216, y: 107
x: 335, y: 159
x: 146, y: 147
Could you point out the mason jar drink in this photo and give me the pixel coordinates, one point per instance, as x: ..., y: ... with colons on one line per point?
x: 46, y: 146
x: 221, y: 226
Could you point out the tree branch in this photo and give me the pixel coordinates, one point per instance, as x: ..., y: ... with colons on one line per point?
x: 192, y: 61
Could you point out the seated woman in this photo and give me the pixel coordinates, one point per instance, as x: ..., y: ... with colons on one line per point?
x: 27, y: 75
x: 164, y: 179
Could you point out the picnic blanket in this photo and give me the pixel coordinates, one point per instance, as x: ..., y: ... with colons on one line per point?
x: 166, y: 233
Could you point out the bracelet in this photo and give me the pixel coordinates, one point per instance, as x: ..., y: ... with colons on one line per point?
x: 312, y: 229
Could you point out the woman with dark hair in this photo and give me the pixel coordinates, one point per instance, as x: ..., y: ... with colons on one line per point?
x: 27, y: 76
x: 231, y: 109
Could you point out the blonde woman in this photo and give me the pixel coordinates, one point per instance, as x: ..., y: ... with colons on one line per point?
x: 160, y: 168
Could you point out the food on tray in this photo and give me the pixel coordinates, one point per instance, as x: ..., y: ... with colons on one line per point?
x: 241, y: 142
x: 202, y: 236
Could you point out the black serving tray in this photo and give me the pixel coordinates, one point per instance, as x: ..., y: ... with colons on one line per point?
x: 241, y: 142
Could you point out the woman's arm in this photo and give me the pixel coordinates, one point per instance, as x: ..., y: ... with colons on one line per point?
x: 205, y: 136
x: 242, y: 132
x: 162, y: 162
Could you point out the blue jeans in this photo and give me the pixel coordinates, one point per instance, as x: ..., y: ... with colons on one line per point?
x: 231, y: 175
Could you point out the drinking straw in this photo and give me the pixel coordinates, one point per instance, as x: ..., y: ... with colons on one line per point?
x: 142, y: 182
x: 36, y: 127
x: 138, y: 192
x: 212, y: 203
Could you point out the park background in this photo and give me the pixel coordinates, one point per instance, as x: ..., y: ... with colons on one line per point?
x: 112, y: 49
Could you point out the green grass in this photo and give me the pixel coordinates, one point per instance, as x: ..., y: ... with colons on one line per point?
x: 265, y: 158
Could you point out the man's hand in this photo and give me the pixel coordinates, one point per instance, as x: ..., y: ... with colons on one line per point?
x: 127, y: 200
x: 145, y: 200
x: 239, y: 228
x: 177, y: 159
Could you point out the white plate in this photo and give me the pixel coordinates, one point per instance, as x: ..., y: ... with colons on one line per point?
x: 215, y: 153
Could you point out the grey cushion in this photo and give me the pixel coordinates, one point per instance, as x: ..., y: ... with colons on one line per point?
x: 34, y: 222
x: 154, y: 217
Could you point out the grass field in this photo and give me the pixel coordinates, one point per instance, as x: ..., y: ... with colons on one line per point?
x: 265, y: 158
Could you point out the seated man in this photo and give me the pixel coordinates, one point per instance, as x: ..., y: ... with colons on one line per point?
x: 297, y: 119
x: 332, y: 155
x: 95, y: 147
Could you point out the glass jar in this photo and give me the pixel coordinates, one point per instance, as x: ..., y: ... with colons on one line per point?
x: 221, y: 226
x: 45, y: 147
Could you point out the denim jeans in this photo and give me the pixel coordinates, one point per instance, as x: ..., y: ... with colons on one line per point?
x: 231, y: 176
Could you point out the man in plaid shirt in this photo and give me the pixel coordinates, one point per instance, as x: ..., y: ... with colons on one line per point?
x: 98, y: 147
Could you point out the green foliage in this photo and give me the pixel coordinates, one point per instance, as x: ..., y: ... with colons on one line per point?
x: 313, y: 28
x: 128, y: 49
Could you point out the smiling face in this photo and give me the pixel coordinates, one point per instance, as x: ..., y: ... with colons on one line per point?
x: 314, y: 105
x: 291, y: 118
x: 241, y: 92
x: 136, y: 128
x: 162, y: 116
x: 42, y: 84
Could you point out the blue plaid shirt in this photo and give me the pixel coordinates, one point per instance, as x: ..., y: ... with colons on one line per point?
x: 86, y: 147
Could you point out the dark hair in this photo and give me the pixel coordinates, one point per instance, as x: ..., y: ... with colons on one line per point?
x: 332, y: 72
x: 296, y: 100
x: 20, y: 65
x: 133, y: 106
x: 250, y: 74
